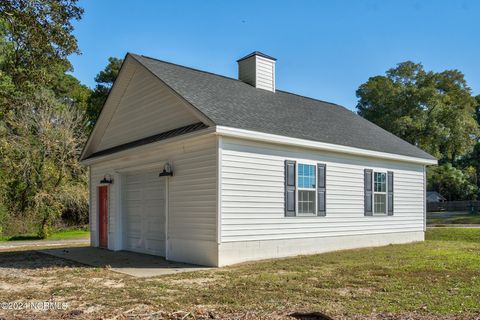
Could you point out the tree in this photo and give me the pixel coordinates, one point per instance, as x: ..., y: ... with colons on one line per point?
x: 43, y: 151
x: 477, y: 109
x: 434, y: 111
x: 70, y: 91
x: 104, y: 80
x: 37, y: 39
x: 451, y: 182
x: 41, y: 115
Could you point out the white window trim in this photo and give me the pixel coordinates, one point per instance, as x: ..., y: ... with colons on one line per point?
x: 297, y: 189
x: 375, y: 192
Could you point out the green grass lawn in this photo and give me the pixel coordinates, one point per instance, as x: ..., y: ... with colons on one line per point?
x: 70, y: 234
x: 467, y: 218
x: 435, y: 279
x: 454, y: 234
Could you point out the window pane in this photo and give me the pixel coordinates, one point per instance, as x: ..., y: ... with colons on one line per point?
x: 306, y: 176
x: 306, y: 201
x: 380, y: 182
x: 380, y: 203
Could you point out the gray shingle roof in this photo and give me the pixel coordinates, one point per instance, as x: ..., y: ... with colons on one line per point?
x: 233, y: 103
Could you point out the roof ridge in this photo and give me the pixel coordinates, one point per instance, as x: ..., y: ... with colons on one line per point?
x: 187, y: 67
x: 234, y: 79
x: 311, y: 98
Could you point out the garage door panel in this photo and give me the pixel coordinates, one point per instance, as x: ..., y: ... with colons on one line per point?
x: 154, y: 224
x: 133, y: 226
x: 133, y: 205
x: 134, y: 213
x: 134, y: 230
x: 134, y: 195
x: 153, y: 236
x: 134, y: 178
x: 152, y: 194
x: 153, y: 204
x: 144, y: 223
x: 156, y: 246
x: 136, y: 244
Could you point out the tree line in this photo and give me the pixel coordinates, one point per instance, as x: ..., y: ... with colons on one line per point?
x: 436, y: 112
x: 46, y: 115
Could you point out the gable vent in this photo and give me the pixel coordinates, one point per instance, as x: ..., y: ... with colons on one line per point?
x: 258, y: 70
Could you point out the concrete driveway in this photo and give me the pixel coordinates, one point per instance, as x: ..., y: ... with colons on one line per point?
x: 131, y: 263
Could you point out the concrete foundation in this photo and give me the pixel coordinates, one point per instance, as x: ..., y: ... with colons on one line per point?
x: 236, y: 252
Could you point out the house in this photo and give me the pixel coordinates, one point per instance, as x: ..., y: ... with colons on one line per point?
x: 435, y: 197
x: 436, y: 202
x: 211, y: 170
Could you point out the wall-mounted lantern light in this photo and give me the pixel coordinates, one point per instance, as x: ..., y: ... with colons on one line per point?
x: 107, y: 179
x: 167, y: 171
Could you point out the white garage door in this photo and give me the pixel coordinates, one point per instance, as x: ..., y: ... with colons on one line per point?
x: 144, y: 216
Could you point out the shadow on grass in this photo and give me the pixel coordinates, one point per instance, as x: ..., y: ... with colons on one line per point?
x: 24, y: 237
x: 31, y: 259
x: 310, y: 316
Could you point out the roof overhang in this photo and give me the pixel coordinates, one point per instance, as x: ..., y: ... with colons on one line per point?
x: 264, y: 137
x: 145, y: 147
x: 282, y: 140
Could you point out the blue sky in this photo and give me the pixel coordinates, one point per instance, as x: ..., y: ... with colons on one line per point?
x: 325, y: 49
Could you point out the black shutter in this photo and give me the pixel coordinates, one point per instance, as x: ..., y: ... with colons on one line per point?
x: 368, y: 192
x: 390, y: 192
x: 290, y: 181
x: 322, y: 188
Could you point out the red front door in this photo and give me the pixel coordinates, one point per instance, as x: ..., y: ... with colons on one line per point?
x: 103, y: 215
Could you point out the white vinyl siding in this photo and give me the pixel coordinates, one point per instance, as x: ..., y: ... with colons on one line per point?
x: 146, y: 108
x: 265, y: 74
x: 252, y: 189
x: 246, y: 71
x: 258, y: 72
x: 192, y: 193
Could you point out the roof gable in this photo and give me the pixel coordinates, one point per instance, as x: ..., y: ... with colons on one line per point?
x: 232, y: 103
x: 139, y: 106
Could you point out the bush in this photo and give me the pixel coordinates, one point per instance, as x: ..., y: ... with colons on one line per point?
x: 452, y: 183
x: 41, y: 177
x: 3, y: 218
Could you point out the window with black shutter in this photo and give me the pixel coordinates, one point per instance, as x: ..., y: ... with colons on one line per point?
x: 390, y: 192
x: 305, y: 189
x: 290, y: 190
x: 322, y: 189
x: 368, y: 192
x: 378, y: 192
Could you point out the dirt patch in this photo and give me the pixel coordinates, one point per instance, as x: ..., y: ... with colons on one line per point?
x: 191, y: 281
x: 354, y: 292
x: 108, y: 283
x: 113, y: 284
x: 285, y: 272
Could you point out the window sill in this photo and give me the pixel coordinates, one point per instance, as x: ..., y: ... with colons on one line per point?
x: 306, y: 216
